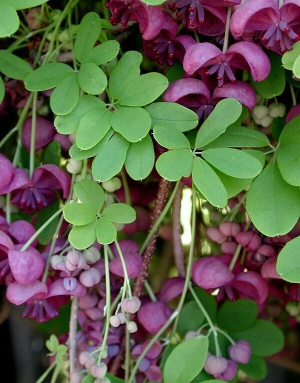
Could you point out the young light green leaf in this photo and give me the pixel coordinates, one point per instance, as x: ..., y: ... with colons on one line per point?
x: 119, y: 213
x: 20, y: 4
x: 2, y: 90
x: 170, y: 137
x: 88, y: 379
x: 240, y: 137
x: 274, y: 84
x: 110, y: 160
x: 47, y: 76
x: 102, y: 53
x: 92, y: 128
x: 79, y: 213
x: 265, y: 337
x: 81, y: 237
x: 69, y: 123
x: 233, y: 162
x: 272, y: 204
x: 133, y: 123
x: 90, y: 192
x: 175, y: 164
x: 87, y: 34
x: 208, y: 183
x: 288, y: 158
x: 225, y: 113
x: 106, y: 231
x: 288, y: 265
x: 143, y: 90
x: 179, y: 366
x: 65, y: 96
x: 91, y: 78
x: 125, y: 71
x: 289, y: 57
x: 296, y: 67
x: 244, y: 309
x: 153, y: 2
x: 173, y: 115
x: 13, y: 66
x: 233, y: 185
x: 9, y: 19
x: 140, y: 159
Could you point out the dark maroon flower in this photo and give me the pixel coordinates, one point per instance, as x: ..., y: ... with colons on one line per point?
x: 133, y: 260
x: 277, y: 28
x: 45, y: 133
x: 39, y: 192
x: 150, y: 18
x: 153, y: 315
x: 211, y: 273
x: 241, y: 55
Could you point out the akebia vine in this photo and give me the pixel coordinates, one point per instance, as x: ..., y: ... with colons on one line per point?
x: 150, y: 185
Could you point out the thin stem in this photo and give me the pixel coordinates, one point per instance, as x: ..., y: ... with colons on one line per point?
x: 226, y: 35
x: 177, y: 230
x: 237, y: 251
x: 126, y: 278
x: 33, y: 134
x: 293, y: 95
x: 46, y: 373
x: 127, y: 355
x: 126, y: 188
x: 72, y: 334
x: 8, y: 135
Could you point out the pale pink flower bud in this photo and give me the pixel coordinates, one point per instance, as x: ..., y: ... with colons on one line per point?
x: 92, y: 254
x: 122, y: 318
x: 75, y: 260
x: 114, y: 321
x: 131, y: 305
x: 132, y: 327
x: 99, y: 371
x: 215, y: 365
x: 85, y: 359
x: 214, y: 234
x: 229, y: 229
x: 90, y: 277
x: 240, y: 352
x: 69, y: 283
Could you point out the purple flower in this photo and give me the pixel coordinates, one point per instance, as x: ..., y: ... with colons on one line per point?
x: 209, y: 60
x: 240, y: 351
x: 150, y: 18
x: 276, y: 28
x: 133, y: 260
x: 167, y: 47
x: 45, y: 133
x: 153, y: 315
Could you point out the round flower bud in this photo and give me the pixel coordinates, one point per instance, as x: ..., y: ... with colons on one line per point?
x: 92, y: 254
x: 215, y: 365
x: 90, y: 278
x: 99, y: 371
x: 260, y: 111
x: 85, y: 359
x: 277, y: 110
x: 240, y: 352
x: 112, y: 185
x: 114, y: 321
x: 73, y: 166
x: 122, y: 318
x: 75, y: 260
x: 75, y: 377
x: 266, y: 121
x: 132, y: 327
x: 131, y: 305
x: 229, y: 373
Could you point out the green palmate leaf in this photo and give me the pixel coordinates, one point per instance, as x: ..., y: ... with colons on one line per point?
x: 225, y: 113
x: 179, y: 366
x: 13, y: 66
x: 9, y: 19
x: 88, y: 379
x: 288, y: 265
x: 114, y: 379
x: 175, y: 164
x: 288, y: 158
x: 207, y: 300
x: 170, y: 137
x: 143, y: 89
x: 296, y: 67
x: 233, y: 185
x: 87, y: 34
x: 244, y: 309
x: 2, y: 89
x: 124, y: 72
x: 79, y: 154
x: 65, y: 96
x: 52, y: 153
x: 140, y: 159
x: 91, y: 78
x: 132, y: 123
x: 190, y: 319
x: 260, y: 156
x: 173, y: 115
x: 208, y: 183
x: 274, y: 84
x: 288, y: 58
x: 233, y: 162
x: 272, y: 204
x: 80, y: 213
x: 90, y: 192
x: 240, y: 137
x: 69, y: 123
x: 110, y: 160
x: 291, y: 132
x: 81, y: 237
x: 93, y: 127
x: 47, y: 76
x: 119, y: 213
x: 102, y: 53
x: 265, y: 337
x: 106, y: 231
x: 256, y: 368
x: 21, y: 4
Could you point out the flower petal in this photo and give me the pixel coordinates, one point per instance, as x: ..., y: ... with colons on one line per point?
x: 18, y: 294
x: 198, y: 55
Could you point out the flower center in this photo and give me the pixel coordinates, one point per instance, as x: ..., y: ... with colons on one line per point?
x: 41, y: 310
x: 162, y: 48
x: 120, y: 12
x: 32, y: 199
x: 282, y: 34
x: 222, y: 68
x: 191, y: 12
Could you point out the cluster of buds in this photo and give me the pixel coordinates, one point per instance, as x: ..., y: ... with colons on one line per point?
x: 264, y: 115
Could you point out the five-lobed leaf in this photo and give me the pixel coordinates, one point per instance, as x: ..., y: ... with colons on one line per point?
x: 119, y: 213
x: 102, y: 53
x: 79, y: 213
x: 106, y: 231
x: 90, y: 192
x: 81, y: 237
